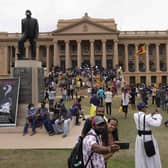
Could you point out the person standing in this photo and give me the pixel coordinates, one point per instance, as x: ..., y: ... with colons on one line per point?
x: 125, y: 98
x: 144, y: 122
x: 30, y: 31
x: 100, y: 94
x: 108, y: 100
x: 95, y: 100
x: 51, y: 97
x: 110, y: 135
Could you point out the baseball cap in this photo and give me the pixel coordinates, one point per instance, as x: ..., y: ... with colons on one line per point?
x: 141, y: 105
x: 99, y: 120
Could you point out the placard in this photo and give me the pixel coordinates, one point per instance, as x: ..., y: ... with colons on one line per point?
x: 9, y: 92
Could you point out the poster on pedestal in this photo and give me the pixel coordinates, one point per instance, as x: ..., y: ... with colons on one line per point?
x: 9, y: 92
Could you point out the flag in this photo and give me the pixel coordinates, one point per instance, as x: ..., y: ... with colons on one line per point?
x: 141, y: 50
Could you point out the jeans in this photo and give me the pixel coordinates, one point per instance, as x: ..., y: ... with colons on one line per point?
x: 66, y: 125
x: 59, y: 128
x: 48, y: 125
x: 108, y: 108
x: 32, y: 120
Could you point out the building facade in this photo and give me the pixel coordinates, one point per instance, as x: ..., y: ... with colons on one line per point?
x: 95, y: 42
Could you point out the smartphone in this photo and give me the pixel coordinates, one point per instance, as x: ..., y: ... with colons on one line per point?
x: 123, y: 145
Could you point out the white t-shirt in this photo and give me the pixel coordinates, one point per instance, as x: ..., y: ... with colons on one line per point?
x: 108, y: 96
x: 52, y: 95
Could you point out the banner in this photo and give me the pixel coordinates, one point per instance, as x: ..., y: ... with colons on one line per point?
x: 9, y: 92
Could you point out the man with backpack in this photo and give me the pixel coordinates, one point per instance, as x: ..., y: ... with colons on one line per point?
x: 93, y: 149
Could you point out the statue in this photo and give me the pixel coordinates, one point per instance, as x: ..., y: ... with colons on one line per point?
x: 30, y: 31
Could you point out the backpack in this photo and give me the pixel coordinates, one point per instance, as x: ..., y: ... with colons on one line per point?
x: 75, y: 159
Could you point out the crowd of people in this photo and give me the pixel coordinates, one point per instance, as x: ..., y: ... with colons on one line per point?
x: 99, y: 132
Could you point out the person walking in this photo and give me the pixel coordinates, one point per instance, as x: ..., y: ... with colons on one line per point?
x: 108, y: 100
x: 100, y: 94
x: 144, y: 122
x: 125, y: 98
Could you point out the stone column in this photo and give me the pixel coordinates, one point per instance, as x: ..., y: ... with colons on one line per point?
x: 104, y: 58
x: 56, y: 55
x: 16, y: 52
x: 10, y: 57
x: 67, y: 55
x: 79, y: 57
x: 126, y: 57
x: 48, y: 58
x: 167, y: 56
x: 92, y: 59
x: 37, y: 52
x: 4, y: 60
x: 136, y: 59
x: 157, y: 58
x: 115, y: 60
x: 147, y: 58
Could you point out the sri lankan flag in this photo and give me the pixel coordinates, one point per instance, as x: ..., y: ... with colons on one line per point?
x: 141, y: 50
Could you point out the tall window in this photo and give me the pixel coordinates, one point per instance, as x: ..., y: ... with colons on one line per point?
x: 131, y: 50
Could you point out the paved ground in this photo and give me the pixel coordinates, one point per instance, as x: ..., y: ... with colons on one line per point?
x: 11, y: 138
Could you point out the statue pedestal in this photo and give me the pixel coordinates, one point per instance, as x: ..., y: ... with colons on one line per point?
x: 31, y: 81
x: 31, y: 76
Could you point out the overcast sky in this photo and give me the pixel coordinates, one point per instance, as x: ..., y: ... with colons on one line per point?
x: 128, y: 14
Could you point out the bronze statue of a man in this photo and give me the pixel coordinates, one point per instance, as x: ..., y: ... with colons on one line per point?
x: 30, y: 31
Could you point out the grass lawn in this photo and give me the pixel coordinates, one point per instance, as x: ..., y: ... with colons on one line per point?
x: 58, y: 158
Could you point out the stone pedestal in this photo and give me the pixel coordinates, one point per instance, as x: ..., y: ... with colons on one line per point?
x: 31, y: 90
x: 31, y: 81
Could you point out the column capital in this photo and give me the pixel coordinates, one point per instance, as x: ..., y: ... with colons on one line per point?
x: 15, y: 45
x: 78, y: 41
x: 147, y: 44
x: 126, y: 44
x: 91, y: 41
x: 66, y: 41
x: 55, y: 41
x: 157, y: 44
x: 27, y: 44
x: 47, y: 45
x: 103, y: 40
x: 116, y: 40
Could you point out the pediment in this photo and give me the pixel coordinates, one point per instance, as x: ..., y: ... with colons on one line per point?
x: 84, y: 27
